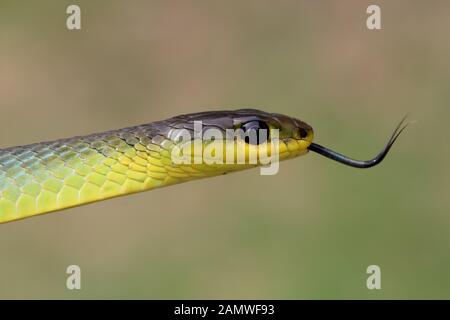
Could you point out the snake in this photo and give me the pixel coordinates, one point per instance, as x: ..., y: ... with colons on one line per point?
x: 50, y: 176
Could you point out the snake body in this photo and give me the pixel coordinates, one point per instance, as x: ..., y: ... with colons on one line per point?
x: 49, y: 176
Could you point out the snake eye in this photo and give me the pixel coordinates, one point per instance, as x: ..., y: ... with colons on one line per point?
x: 256, y: 132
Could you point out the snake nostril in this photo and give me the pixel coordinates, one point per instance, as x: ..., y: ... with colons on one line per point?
x: 303, y: 133
x: 300, y: 133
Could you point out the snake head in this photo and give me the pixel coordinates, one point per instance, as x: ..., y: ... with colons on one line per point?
x: 254, y: 131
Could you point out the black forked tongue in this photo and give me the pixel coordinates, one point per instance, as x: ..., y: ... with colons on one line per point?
x: 360, y: 163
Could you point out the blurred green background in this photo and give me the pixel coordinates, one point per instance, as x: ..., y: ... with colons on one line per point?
x: 309, y: 231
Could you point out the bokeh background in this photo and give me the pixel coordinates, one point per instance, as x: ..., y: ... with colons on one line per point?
x: 309, y: 231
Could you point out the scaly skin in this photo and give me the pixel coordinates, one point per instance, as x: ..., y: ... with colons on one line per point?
x: 49, y: 176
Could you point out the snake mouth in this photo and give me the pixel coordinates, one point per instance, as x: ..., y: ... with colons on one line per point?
x: 293, y: 147
x: 302, y: 137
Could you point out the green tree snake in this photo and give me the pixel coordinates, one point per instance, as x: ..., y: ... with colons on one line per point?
x: 50, y: 176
